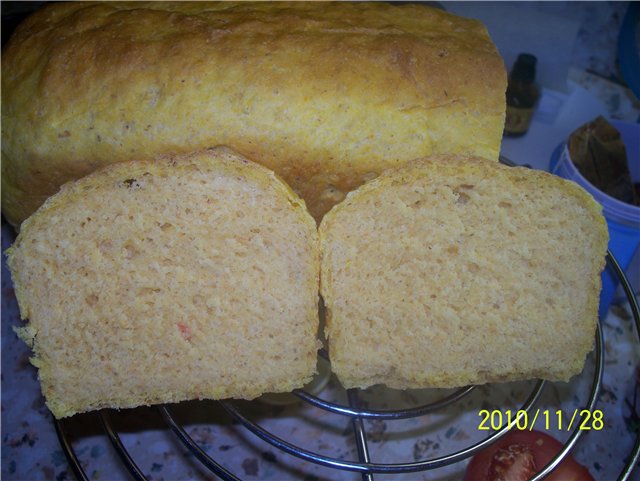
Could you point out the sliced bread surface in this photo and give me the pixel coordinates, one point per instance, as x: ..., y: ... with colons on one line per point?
x: 455, y: 270
x: 183, y: 278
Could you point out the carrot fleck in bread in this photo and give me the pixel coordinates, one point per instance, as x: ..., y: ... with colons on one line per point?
x: 326, y: 95
x: 457, y: 270
x: 188, y: 277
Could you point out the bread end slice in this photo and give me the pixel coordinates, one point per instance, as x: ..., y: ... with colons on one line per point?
x: 190, y: 277
x: 456, y: 270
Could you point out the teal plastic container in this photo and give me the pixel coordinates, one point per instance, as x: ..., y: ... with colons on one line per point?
x: 623, y: 219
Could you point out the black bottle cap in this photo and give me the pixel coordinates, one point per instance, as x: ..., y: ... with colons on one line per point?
x: 525, y: 68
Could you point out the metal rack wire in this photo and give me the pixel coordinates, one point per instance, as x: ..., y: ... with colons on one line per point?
x: 353, y: 411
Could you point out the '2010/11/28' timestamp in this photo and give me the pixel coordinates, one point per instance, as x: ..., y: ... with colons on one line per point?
x: 583, y: 419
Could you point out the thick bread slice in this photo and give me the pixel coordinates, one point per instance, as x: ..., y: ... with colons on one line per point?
x: 455, y: 271
x: 152, y: 282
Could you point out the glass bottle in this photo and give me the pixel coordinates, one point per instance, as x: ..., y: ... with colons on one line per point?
x: 522, y: 96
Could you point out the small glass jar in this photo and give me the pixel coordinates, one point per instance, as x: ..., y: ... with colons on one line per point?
x: 522, y: 96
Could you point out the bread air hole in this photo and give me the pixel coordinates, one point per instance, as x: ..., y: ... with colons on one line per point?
x: 462, y: 198
x: 130, y: 251
x: 91, y: 300
x: 105, y: 247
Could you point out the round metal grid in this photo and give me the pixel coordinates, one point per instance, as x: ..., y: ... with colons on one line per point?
x: 356, y: 414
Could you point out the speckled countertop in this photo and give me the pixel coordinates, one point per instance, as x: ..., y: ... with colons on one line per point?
x: 31, y: 451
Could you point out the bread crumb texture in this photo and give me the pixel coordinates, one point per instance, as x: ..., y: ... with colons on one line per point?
x: 188, y: 277
x: 455, y: 270
x: 326, y: 95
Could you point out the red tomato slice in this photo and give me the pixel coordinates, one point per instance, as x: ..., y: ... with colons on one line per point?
x: 519, y: 455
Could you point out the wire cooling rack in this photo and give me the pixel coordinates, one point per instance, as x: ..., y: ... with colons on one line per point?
x: 355, y: 413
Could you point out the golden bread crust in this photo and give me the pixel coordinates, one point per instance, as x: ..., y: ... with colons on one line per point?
x: 326, y: 95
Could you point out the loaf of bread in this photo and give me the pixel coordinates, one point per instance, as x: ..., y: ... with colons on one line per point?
x: 453, y: 271
x: 183, y: 278
x: 326, y: 95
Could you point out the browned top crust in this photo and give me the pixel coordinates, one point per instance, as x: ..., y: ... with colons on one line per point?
x: 327, y: 95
